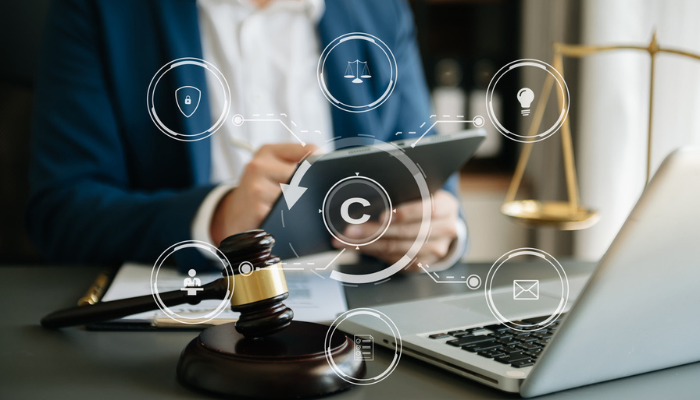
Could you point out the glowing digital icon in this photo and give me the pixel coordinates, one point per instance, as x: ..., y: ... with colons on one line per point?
x: 354, y: 71
x: 186, y: 315
x: 525, y: 97
x: 340, y: 202
x: 187, y: 100
x: 192, y: 285
x: 526, y: 289
x: 346, y: 215
x: 473, y: 281
x: 245, y: 268
x: 293, y: 192
x: 364, y: 348
x: 238, y: 120
x: 357, y: 71
x: 519, y: 132
x: 159, y: 100
x: 363, y: 187
x: 366, y: 343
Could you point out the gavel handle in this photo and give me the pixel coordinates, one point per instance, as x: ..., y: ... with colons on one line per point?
x: 110, y: 310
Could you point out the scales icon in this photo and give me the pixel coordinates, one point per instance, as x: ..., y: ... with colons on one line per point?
x: 355, y: 73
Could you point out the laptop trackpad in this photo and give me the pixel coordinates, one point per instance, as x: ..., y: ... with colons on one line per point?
x: 524, y: 301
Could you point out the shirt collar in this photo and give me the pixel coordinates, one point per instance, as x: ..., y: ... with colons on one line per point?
x: 314, y: 9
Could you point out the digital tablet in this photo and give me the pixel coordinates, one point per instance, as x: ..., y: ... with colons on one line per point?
x: 361, y: 184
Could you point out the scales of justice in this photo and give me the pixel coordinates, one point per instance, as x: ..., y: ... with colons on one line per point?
x: 571, y: 215
x: 353, y: 71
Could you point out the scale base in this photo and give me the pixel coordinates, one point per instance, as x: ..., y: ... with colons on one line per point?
x: 288, y: 364
x: 553, y: 214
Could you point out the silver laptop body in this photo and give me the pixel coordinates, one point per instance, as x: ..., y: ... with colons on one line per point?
x: 617, y: 321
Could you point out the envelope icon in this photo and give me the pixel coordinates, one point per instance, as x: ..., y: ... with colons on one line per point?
x: 525, y: 289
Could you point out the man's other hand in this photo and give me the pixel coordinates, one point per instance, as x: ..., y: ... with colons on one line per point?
x: 246, y: 206
x: 404, y: 228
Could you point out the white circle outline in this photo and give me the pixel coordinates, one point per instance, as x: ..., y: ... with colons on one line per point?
x: 426, y: 201
x: 527, y: 62
x: 247, y: 263
x: 150, y: 94
x: 398, y: 348
x: 183, y: 245
x: 532, y: 252
x: 240, y: 119
x: 393, y: 76
x: 473, y: 287
x: 323, y: 210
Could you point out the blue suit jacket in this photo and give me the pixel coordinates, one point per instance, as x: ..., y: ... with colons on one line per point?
x: 106, y: 184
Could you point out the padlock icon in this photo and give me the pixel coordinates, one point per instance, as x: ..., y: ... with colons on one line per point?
x: 188, y: 100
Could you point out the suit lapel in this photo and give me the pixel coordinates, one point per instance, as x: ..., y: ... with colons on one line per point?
x: 179, y: 25
x: 180, y: 29
x: 337, y: 20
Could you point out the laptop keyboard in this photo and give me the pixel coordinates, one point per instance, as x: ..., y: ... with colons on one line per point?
x: 502, y: 344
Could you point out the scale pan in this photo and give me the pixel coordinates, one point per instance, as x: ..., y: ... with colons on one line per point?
x: 553, y: 214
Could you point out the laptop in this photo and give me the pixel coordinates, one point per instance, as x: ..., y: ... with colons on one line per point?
x: 638, y: 311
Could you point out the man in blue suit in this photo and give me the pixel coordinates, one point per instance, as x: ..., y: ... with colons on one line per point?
x: 108, y: 186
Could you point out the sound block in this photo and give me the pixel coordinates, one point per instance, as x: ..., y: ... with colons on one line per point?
x: 289, y: 364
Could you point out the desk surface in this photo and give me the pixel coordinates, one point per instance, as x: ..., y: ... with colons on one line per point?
x: 73, y: 363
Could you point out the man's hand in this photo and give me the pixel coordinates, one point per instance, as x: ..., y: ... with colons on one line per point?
x: 246, y: 206
x: 404, y: 228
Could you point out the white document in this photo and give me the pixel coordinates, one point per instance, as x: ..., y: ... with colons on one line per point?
x: 364, y: 348
x: 313, y: 297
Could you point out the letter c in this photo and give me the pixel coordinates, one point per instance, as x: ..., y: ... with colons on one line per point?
x: 347, y: 217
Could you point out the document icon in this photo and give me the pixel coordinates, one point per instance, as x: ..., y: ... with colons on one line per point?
x: 364, y: 348
x: 524, y: 289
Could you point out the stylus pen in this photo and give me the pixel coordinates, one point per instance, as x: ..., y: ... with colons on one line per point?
x: 105, y: 311
x: 94, y: 294
x: 243, y: 145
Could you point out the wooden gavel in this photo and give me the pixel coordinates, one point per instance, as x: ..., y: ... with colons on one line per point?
x: 258, y: 293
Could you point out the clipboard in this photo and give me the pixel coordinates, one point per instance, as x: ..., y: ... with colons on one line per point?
x: 313, y: 298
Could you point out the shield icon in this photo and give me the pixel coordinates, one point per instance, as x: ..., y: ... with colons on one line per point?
x: 187, y: 100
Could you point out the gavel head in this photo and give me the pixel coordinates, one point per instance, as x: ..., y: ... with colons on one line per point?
x: 260, y: 285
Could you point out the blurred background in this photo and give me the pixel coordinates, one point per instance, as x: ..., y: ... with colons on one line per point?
x: 463, y: 43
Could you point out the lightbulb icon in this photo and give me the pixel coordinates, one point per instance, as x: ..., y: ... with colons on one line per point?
x: 525, y: 97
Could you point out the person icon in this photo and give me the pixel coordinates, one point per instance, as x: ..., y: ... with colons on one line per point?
x: 192, y: 281
x: 192, y: 284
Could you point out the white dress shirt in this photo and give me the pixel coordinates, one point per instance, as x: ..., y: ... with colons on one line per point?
x: 269, y: 57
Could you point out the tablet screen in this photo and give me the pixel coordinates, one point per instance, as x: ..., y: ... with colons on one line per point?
x: 362, y: 183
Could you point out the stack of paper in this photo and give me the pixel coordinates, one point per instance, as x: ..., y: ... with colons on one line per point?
x: 313, y: 295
